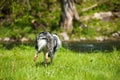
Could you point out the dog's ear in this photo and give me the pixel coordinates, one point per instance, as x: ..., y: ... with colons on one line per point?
x: 44, y: 33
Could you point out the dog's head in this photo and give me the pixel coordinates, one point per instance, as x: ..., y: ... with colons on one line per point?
x: 41, y: 35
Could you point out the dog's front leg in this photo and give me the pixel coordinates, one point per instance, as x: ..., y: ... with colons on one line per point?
x: 45, y: 59
x: 36, y: 55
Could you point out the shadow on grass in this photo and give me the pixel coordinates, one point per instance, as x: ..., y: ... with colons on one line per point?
x: 39, y: 64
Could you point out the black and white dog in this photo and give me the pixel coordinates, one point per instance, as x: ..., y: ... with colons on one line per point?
x: 48, y: 43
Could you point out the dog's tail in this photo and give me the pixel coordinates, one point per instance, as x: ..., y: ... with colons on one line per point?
x: 58, y: 41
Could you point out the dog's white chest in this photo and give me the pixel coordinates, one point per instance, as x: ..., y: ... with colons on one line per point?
x: 42, y: 44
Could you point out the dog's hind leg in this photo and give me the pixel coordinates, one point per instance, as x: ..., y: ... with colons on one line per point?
x: 45, y: 59
x: 51, y: 57
x: 53, y: 53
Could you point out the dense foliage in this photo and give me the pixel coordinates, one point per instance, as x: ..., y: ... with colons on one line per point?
x: 25, y: 18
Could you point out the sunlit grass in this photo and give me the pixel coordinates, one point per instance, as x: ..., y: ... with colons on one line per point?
x: 17, y: 64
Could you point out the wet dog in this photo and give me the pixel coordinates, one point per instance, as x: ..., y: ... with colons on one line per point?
x: 47, y: 43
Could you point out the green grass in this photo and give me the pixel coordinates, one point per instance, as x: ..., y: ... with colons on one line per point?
x: 17, y: 64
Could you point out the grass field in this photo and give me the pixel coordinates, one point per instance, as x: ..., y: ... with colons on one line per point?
x: 17, y: 64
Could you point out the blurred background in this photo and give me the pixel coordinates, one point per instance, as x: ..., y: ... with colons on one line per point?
x: 23, y: 19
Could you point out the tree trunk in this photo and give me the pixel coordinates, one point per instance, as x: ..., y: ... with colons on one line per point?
x: 68, y: 13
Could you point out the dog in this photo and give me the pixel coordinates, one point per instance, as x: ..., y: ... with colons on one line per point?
x: 48, y: 44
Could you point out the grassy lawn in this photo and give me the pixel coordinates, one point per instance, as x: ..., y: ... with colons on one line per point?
x: 17, y: 64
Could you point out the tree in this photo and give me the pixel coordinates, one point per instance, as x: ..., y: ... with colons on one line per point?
x: 68, y: 14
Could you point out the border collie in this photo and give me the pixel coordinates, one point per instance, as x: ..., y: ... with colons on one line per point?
x: 47, y: 43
